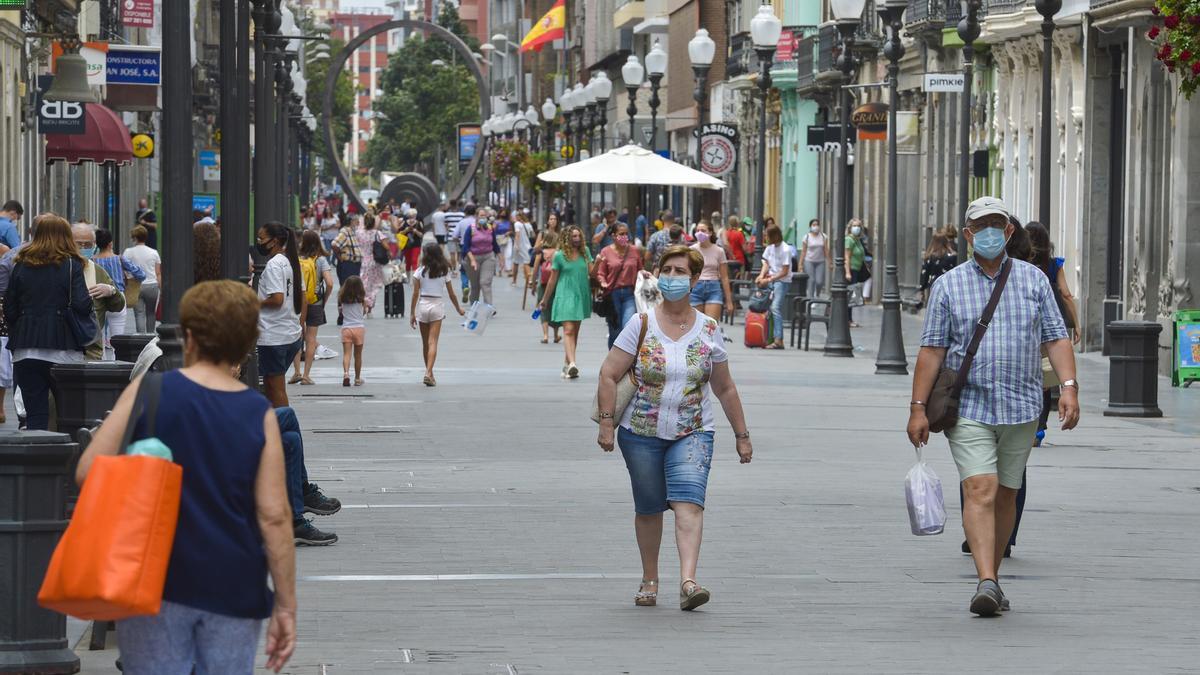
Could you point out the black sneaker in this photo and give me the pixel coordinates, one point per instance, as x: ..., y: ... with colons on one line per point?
x: 987, y: 599
x: 317, y: 503
x: 307, y: 534
x: 966, y: 548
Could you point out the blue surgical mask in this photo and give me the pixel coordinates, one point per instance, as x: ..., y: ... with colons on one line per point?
x: 674, y: 288
x: 88, y: 252
x: 990, y: 243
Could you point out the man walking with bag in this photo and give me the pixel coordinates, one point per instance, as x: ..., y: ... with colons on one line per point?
x: 979, y: 378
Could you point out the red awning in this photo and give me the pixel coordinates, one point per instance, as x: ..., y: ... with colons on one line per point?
x: 106, y: 139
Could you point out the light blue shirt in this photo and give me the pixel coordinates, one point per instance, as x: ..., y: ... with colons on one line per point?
x: 9, y: 234
x: 1005, y: 382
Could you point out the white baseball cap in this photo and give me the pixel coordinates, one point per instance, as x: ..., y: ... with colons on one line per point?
x: 986, y: 206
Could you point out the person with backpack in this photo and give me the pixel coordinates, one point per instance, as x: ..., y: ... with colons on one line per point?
x: 316, y: 275
x: 776, y: 275
x: 543, y: 262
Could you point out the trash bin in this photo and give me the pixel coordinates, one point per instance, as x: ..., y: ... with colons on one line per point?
x: 796, y: 289
x: 34, y: 469
x: 88, y: 391
x: 1133, y: 369
x: 128, y: 347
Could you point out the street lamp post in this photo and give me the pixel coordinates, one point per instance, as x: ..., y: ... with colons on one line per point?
x: 177, y: 161
x: 891, y: 358
x: 632, y: 73
x: 235, y: 138
x: 603, y: 90
x: 656, y: 66
x: 549, y: 111
x: 267, y: 20
x: 1047, y: 8
x: 848, y: 14
x: 968, y: 32
x: 487, y: 159
x: 765, y: 29
x: 701, y: 50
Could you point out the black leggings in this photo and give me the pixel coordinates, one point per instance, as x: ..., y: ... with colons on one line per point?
x: 34, y: 378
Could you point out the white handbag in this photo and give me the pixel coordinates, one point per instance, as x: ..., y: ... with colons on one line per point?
x: 627, y: 386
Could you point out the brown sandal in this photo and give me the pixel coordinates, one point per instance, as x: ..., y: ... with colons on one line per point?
x: 647, y: 598
x: 689, y: 600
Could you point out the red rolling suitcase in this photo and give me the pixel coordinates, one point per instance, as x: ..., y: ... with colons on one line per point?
x: 758, y: 329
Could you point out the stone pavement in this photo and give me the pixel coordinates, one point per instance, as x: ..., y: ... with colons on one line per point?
x: 485, y: 532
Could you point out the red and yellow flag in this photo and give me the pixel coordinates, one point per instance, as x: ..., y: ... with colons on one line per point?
x: 551, y: 27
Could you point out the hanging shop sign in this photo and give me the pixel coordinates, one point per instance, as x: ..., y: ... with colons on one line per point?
x: 871, y: 120
x: 134, y: 64
x: 137, y: 13
x: 58, y: 117
x: 718, y: 148
x: 143, y: 145
x: 944, y: 83
x: 468, y: 141
x: 826, y: 138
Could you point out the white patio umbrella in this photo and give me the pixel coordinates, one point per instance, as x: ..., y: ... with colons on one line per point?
x: 631, y: 165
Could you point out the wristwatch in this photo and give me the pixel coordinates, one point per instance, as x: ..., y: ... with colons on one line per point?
x: 742, y: 436
x: 1070, y: 383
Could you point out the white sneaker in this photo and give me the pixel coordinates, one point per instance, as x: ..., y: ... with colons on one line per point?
x: 324, y: 352
x: 572, y: 371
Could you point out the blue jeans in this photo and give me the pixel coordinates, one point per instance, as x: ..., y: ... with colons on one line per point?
x: 181, y: 640
x: 664, y: 471
x: 293, y: 459
x: 624, y: 307
x: 464, y: 280
x: 779, y: 291
x: 707, y: 292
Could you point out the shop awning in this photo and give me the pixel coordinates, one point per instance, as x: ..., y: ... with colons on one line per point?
x: 106, y: 139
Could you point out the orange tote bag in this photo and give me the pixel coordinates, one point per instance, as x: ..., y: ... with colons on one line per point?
x: 111, y: 562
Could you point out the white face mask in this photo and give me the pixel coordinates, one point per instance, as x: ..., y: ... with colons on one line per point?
x: 815, y: 229
x: 856, y: 230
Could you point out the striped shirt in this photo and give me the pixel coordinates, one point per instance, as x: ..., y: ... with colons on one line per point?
x: 451, y: 220
x: 1005, y: 382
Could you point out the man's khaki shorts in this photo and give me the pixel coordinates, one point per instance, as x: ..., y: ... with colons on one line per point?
x: 1001, y: 449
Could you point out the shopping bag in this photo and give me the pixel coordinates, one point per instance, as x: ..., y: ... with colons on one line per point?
x: 111, y: 562
x: 646, y: 295
x: 476, y: 319
x: 923, y: 492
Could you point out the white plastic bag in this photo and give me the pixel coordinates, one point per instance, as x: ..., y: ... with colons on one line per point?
x: 923, y: 491
x: 476, y: 319
x: 646, y: 295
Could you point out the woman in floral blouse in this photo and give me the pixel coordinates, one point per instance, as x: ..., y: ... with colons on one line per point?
x: 666, y: 433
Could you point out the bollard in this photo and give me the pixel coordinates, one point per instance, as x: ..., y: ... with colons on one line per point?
x: 88, y: 391
x: 128, y: 347
x: 34, y: 469
x: 1133, y: 369
x: 171, y: 343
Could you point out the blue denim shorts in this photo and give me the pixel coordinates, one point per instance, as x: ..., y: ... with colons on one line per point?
x: 276, y: 359
x: 708, y: 293
x: 664, y: 471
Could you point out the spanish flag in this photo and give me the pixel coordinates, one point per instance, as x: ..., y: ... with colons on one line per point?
x: 551, y: 27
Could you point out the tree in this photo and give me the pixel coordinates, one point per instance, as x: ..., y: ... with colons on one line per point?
x: 423, y: 103
x: 316, y: 71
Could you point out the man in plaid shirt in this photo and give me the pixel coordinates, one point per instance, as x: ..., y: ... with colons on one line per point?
x: 1002, y: 400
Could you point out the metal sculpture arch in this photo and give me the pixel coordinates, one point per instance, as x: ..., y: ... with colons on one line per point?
x: 339, y: 64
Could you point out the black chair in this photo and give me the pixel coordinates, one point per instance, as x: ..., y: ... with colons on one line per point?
x: 811, y: 317
x: 741, y: 290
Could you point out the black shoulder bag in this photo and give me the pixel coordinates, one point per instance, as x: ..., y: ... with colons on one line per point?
x: 942, y: 407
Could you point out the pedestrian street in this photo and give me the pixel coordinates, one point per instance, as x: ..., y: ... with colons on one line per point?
x: 483, y: 530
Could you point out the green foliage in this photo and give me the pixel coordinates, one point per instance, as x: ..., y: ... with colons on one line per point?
x: 507, y: 158
x: 1176, y: 34
x: 422, y: 103
x: 343, y: 105
x: 533, y: 164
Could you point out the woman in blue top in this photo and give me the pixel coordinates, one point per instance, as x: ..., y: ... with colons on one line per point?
x: 235, y: 524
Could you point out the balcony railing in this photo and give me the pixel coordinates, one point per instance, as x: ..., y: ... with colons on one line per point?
x: 1006, y: 6
x: 806, y: 61
x: 828, y: 48
x: 741, y: 59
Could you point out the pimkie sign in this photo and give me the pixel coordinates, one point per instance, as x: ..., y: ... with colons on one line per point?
x: 871, y: 120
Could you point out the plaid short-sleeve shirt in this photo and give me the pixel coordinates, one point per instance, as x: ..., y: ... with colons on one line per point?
x: 1005, y: 382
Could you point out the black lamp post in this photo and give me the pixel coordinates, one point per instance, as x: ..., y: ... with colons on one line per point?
x: 177, y: 162
x: 838, y: 342
x: 891, y: 358
x: 267, y: 20
x: 632, y: 73
x: 765, y: 29
x: 968, y: 32
x: 701, y: 50
x: 235, y: 138
x: 603, y: 91
x: 1047, y: 8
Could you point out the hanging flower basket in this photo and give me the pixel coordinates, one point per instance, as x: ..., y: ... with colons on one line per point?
x: 507, y: 157
x: 1176, y: 36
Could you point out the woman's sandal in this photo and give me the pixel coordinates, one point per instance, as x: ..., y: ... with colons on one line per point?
x: 545, y: 340
x: 689, y: 600
x: 647, y: 598
x: 427, y: 381
x: 295, y: 379
x: 306, y: 380
x: 346, y: 381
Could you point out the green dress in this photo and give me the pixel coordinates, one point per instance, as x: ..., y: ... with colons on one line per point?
x: 573, y: 293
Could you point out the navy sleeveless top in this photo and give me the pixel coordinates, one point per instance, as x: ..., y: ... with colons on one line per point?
x: 218, y: 563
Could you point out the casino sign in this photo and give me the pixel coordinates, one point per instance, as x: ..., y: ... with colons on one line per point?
x: 718, y: 148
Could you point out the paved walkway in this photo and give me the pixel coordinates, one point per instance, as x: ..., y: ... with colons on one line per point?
x: 485, y: 532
